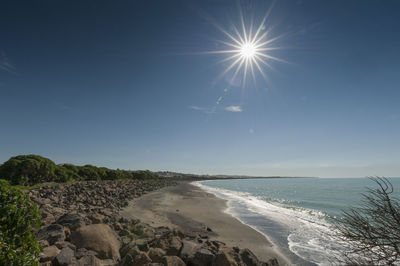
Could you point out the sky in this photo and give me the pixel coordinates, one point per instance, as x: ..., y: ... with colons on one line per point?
x: 129, y: 85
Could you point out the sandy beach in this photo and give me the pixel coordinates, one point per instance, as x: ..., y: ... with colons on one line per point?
x: 195, y: 211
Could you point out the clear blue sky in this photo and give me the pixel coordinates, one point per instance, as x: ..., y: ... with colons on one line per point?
x: 121, y: 84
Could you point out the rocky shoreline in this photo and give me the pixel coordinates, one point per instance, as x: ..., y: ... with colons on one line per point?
x: 81, y: 225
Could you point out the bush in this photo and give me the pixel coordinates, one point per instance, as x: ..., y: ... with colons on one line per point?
x: 372, y: 230
x: 18, y: 245
x: 28, y: 170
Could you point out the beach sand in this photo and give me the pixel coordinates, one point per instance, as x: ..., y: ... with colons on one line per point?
x: 192, y: 210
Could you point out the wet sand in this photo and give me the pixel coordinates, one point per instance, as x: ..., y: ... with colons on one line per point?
x: 195, y: 211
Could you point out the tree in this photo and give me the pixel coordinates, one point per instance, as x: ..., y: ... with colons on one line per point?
x: 28, y: 170
x: 19, y: 216
x: 372, y: 230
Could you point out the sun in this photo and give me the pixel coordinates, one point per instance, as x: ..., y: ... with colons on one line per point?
x: 248, y: 50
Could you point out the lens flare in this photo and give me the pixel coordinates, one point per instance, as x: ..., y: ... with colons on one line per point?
x: 248, y: 50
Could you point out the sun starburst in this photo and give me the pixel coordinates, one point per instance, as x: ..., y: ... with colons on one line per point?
x: 248, y: 51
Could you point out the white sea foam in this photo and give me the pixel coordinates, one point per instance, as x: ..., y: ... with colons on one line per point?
x: 309, y: 235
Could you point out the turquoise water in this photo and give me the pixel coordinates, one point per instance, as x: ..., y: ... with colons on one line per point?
x: 295, y: 213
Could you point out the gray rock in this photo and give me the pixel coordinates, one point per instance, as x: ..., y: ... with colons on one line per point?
x: 65, y: 257
x: 71, y: 220
x: 223, y: 258
x: 142, y: 244
x: 89, y: 260
x: 273, y: 262
x: 64, y: 244
x: 248, y: 257
x: 82, y: 252
x: 141, y: 259
x: 189, y: 249
x: 174, y: 246
x: 49, y: 253
x: 52, y: 233
x: 173, y: 261
x: 203, y: 257
x: 127, y: 260
x: 156, y: 254
x: 98, y: 237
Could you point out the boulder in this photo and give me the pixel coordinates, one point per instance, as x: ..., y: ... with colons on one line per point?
x: 49, y: 253
x: 189, y: 249
x: 223, y: 258
x: 129, y: 249
x: 98, y: 237
x: 248, y: 257
x: 273, y: 262
x: 89, y: 260
x: 71, y: 220
x: 82, y: 252
x: 127, y: 260
x: 52, y: 233
x: 64, y: 244
x: 203, y: 257
x: 156, y: 254
x: 173, y: 261
x: 96, y: 218
x: 141, y: 259
x: 65, y: 257
x: 142, y: 244
x: 174, y: 246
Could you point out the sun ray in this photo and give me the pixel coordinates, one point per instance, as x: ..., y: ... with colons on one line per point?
x: 230, y: 67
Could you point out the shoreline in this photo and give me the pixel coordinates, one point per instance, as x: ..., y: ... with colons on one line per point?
x: 192, y: 210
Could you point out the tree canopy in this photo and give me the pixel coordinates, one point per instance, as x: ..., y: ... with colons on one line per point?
x: 34, y: 169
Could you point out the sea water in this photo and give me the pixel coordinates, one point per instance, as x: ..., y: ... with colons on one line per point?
x: 296, y: 214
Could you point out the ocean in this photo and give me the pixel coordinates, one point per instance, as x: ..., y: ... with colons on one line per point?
x: 296, y: 214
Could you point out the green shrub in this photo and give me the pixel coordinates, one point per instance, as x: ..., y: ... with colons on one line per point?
x: 28, y: 170
x: 18, y: 245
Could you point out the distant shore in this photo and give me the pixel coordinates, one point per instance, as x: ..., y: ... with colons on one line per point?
x: 192, y: 210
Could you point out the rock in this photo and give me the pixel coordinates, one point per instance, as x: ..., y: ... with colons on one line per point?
x: 224, y: 259
x: 130, y: 249
x: 82, y: 252
x: 248, y: 257
x: 173, y: 261
x: 141, y: 259
x: 71, y: 220
x: 47, y: 218
x: 174, y: 246
x: 64, y: 244
x: 156, y: 254
x: 203, y: 257
x: 127, y: 260
x: 96, y: 218
x: 43, y: 243
x: 52, y: 233
x: 189, y: 249
x: 273, y: 262
x: 142, y: 244
x: 97, y: 237
x: 65, y: 257
x: 123, y: 233
x: 49, y: 253
x: 89, y: 260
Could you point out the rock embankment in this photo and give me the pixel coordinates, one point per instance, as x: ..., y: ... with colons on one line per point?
x: 81, y: 226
